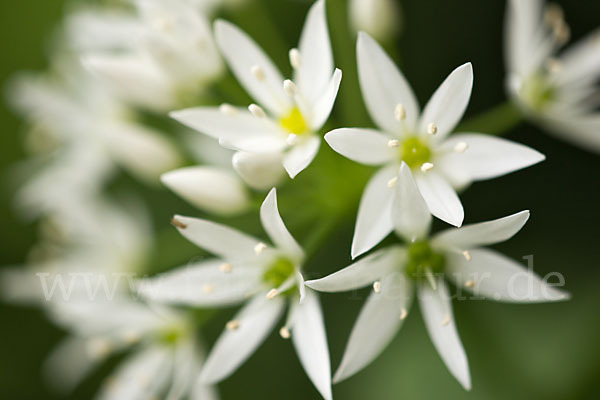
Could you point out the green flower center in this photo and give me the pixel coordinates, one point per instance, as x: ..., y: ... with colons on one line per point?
x: 414, y: 152
x: 294, y: 122
x: 423, y: 260
x: 278, y: 272
x: 537, y: 91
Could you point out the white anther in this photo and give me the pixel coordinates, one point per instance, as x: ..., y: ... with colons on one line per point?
x: 163, y: 24
x: 432, y: 128
x: 461, y: 147
x: 131, y: 336
x: 284, y: 332
x: 403, y: 313
x: 272, y: 294
x: 446, y: 320
x: 227, y: 109
x: 426, y: 167
x: 225, y: 267
x: 554, y: 14
x: 208, y: 288
x: 257, y: 110
x: 554, y: 66
x: 393, y: 143
x: 259, y: 248
x: 392, y: 182
x: 295, y: 58
x: 470, y: 283
x: 98, y: 347
x: 289, y: 87
x: 178, y: 224
x: 291, y: 139
x: 467, y: 255
x: 258, y: 73
x: 232, y: 325
x: 377, y: 287
x: 400, y: 112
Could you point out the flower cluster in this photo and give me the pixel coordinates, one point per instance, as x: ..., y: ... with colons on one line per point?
x: 148, y: 88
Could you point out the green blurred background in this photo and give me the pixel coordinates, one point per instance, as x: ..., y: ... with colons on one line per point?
x: 546, y: 351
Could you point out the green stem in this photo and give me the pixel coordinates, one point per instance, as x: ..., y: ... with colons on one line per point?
x: 498, y: 120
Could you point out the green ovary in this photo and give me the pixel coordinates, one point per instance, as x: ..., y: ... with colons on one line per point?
x: 294, y: 122
x: 414, y: 152
x: 278, y: 272
x: 422, y: 259
x: 538, y: 92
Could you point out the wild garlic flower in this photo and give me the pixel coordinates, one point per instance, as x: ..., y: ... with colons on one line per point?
x: 441, y: 164
x: 559, y: 91
x: 280, y: 132
x: 246, y: 267
x: 381, y: 19
x: 422, y: 265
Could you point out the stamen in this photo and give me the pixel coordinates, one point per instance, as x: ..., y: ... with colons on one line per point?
x: 98, y: 347
x: 289, y: 87
x: 232, y: 325
x: 403, y: 313
x: 225, y: 267
x: 284, y: 332
x: 553, y: 14
x: 295, y: 58
x: 163, y: 24
x: 432, y: 128
x: 461, y: 147
x: 208, y: 288
x: 470, y: 283
x: 562, y: 33
x: 227, y: 109
x: 257, y: 111
x: 393, y: 143
x: 446, y: 320
x: 430, y: 278
x: 291, y: 139
x: 467, y: 255
x: 400, y: 112
x: 553, y: 65
x: 178, y: 224
x: 392, y: 182
x: 426, y: 167
x: 272, y: 294
x: 377, y: 287
x: 258, y: 73
x: 259, y: 248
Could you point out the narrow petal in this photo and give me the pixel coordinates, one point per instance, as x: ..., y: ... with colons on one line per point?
x: 68, y: 364
x: 580, y: 63
x: 483, y: 233
x: 410, y: 213
x: 324, y: 104
x: 363, y: 272
x: 437, y: 313
x: 485, y: 156
x: 301, y: 155
x: 310, y: 342
x: 202, y: 284
x: 447, y: 105
x: 259, y: 170
x: 441, y: 198
x: 212, y: 189
x: 384, y: 87
x: 365, y: 146
x: 581, y: 130
x: 234, y: 346
x: 316, y: 66
x: 239, y: 128
x: 377, y: 324
x: 374, y: 220
x: 497, y: 277
x: 276, y: 229
x: 218, y: 239
x: 242, y: 55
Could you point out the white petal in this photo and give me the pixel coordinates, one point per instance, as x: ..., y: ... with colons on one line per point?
x: 242, y: 54
x: 218, y: 239
x: 383, y: 86
x: 276, y: 229
x: 310, y: 342
x: 239, y: 128
x: 485, y: 157
x: 377, y: 324
x: 259, y: 170
x: 301, y: 155
x: 212, y: 189
x: 363, y: 272
x: 440, y: 197
x: 322, y: 107
x: 374, y: 220
x: 202, y: 284
x: 483, y: 233
x: 68, y: 364
x: 316, y: 64
x: 581, y: 130
x: 447, y: 105
x: 437, y: 313
x: 410, y: 213
x: 365, y: 146
x: 580, y: 63
x: 500, y: 278
x: 256, y: 321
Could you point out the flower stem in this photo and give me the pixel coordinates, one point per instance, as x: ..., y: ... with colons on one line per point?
x: 498, y: 120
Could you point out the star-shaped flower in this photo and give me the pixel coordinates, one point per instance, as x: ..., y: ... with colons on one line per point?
x: 440, y: 163
x: 421, y: 265
x: 282, y: 130
x: 561, y: 91
x: 245, y: 267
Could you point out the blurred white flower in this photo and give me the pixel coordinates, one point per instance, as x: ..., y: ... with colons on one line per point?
x: 440, y: 164
x: 397, y: 271
x: 248, y: 267
x: 381, y: 19
x: 558, y: 91
x: 282, y: 130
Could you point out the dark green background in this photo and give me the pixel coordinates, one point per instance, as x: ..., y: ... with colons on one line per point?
x: 547, y: 351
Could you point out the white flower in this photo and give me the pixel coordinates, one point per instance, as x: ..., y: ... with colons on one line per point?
x: 421, y: 265
x: 379, y: 18
x: 558, y: 91
x: 440, y: 164
x: 248, y: 267
x: 282, y: 130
